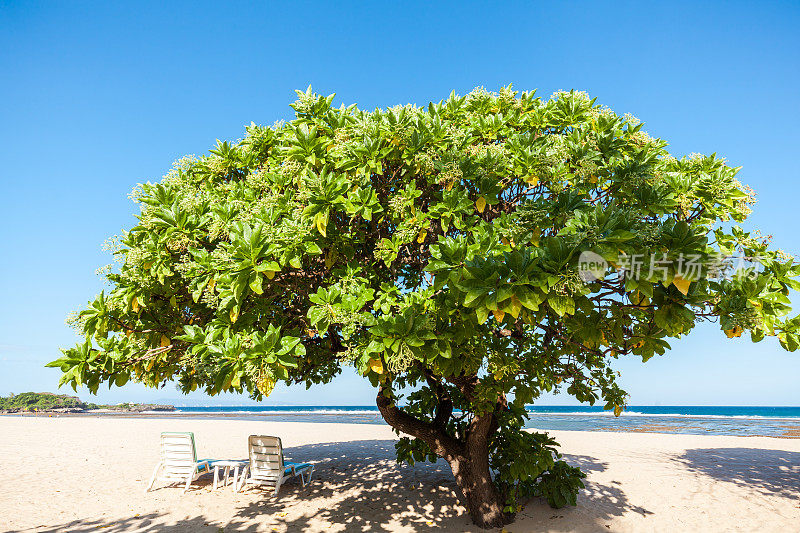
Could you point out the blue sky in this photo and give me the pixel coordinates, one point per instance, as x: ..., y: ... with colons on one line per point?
x: 96, y: 97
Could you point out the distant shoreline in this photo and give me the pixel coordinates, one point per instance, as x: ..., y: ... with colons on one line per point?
x: 50, y: 403
x: 78, y: 411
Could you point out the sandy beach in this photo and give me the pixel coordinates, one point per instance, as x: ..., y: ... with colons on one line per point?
x: 89, y: 474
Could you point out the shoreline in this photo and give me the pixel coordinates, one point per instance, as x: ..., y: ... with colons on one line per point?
x: 685, y: 427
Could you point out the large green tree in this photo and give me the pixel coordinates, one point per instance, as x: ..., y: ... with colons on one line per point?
x: 440, y: 251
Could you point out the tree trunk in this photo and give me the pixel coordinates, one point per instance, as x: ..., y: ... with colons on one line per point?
x: 482, y: 499
x: 469, y: 460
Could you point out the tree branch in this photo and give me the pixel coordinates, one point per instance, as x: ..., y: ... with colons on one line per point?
x: 440, y: 442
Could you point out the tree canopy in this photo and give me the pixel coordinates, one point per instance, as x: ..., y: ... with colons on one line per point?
x: 440, y: 251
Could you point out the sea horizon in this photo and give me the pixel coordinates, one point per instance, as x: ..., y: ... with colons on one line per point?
x: 734, y: 411
x: 774, y: 421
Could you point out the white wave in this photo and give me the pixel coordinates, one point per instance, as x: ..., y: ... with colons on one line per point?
x: 662, y: 415
x: 268, y: 411
x: 531, y: 413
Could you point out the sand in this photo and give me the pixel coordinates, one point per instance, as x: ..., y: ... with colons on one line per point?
x: 89, y: 474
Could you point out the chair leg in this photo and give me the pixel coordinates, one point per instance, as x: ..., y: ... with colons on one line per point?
x: 243, y: 478
x: 189, y: 480
x: 153, y: 478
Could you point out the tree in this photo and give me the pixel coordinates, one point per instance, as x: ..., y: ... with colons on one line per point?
x: 465, y: 258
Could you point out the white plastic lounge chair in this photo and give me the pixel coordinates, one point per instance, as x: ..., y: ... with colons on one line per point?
x: 178, y: 462
x: 267, y: 466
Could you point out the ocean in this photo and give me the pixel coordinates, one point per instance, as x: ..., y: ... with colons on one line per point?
x: 697, y: 420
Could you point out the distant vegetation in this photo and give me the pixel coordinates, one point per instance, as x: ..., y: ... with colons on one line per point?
x: 46, y: 401
x: 41, y: 401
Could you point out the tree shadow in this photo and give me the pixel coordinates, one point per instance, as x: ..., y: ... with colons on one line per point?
x: 204, y: 481
x: 359, y: 486
x: 365, y: 489
x: 145, y: 523
x: 598, y: 504
x: 769, y: 472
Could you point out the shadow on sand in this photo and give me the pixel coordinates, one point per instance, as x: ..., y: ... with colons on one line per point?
x: 365, y: 489
x: 598, y: 505
x: 769, y: 472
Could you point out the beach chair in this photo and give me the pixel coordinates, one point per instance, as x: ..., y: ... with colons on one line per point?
x: 267, y: 466
x: 178, y: 462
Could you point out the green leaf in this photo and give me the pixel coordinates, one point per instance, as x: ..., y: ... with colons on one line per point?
x: 561, y: 305
x: 255, y: 284
x: 473, y: 295
x: 674, y: 318
x: 287, y: 360
x: 530, y: 299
